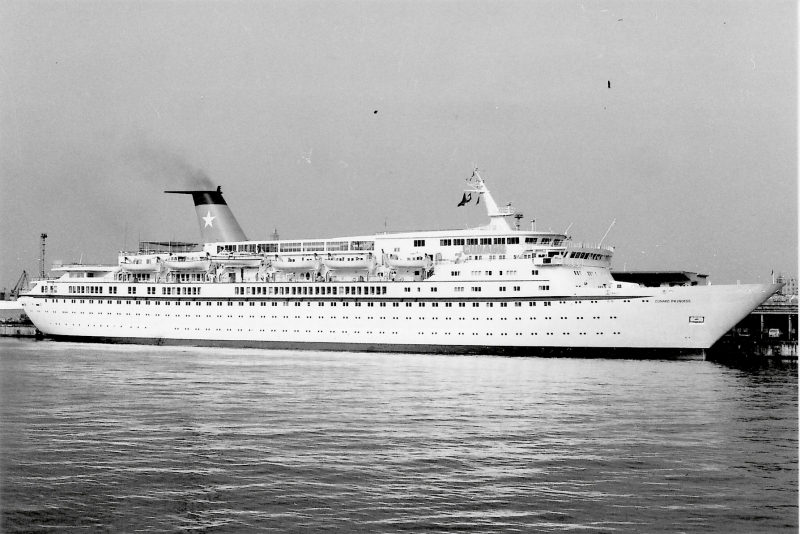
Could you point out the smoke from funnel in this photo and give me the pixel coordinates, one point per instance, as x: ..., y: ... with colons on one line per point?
x: 172, y: 169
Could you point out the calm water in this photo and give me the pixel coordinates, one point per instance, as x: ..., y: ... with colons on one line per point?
x: 129, y: 439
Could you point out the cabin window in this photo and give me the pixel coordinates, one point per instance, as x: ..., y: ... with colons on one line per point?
x: 419, y: 242
x: 472, y: 241
x: 445, y: 242
x: 267, y: 247
x: 291, y: 247
x: 486, y: 241
x: 314, y: 246
x: 458, y: 241
x: 513, y: 241
x: 499, y: 240
x: 337, y: 246
x: 362, y: 245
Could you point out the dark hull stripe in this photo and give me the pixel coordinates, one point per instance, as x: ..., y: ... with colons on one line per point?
x: 571, y: 352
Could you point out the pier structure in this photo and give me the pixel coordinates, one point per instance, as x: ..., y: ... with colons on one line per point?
x: 770, y: 331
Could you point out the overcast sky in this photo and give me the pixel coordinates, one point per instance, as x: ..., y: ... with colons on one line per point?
x: 331, y: 118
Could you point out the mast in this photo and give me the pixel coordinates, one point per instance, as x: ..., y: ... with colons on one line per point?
x: 496, y: 215
x: 41, y: 258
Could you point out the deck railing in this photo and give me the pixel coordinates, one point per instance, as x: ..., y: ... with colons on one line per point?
x: 591, y: 246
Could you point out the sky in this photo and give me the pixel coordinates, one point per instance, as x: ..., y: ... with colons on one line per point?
x: 676, y: 119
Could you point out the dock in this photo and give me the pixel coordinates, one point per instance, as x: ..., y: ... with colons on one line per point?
x: 769, y: 332
x: 14, y: 322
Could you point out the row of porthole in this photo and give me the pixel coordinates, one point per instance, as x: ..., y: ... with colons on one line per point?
x: 188, y: 302
x: 357, y: 332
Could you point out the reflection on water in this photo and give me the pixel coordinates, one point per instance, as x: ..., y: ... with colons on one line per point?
x: 125, y: 438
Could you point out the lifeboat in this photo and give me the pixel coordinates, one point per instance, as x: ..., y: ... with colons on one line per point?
x: 350, y: 263
x: 140, y: 265
x: 182, y: 262
x: 295, y: 264
x: 237, y: 259
x: 417, y: 262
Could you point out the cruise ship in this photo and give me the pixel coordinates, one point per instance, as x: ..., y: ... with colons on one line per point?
x: 494, y: 289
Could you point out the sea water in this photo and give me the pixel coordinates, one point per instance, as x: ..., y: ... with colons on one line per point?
x: 110, y: 438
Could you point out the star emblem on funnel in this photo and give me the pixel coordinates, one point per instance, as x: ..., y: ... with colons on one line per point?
x: 208, y: 218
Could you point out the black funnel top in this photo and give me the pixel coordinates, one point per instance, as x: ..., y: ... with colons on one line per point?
x: 203, y: 197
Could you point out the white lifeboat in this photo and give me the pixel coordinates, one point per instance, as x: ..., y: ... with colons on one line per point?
x: 184, y: 262
x: 295, y: 264
x: 350, y: 263
x: 237, y: 259
x: 139, y: 265
x: 415, y: 262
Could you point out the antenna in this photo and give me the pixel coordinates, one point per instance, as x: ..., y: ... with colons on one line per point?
x: 517, y: 216
x: 567, y: 230
x: 609, y: 229
x: 41, y: 258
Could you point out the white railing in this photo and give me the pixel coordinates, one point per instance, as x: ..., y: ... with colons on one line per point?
x: 591, y: 246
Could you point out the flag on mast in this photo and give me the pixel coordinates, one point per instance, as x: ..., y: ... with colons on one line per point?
x: 465, y: 200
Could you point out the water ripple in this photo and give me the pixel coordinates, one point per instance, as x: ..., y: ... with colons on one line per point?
x: 153, y: 439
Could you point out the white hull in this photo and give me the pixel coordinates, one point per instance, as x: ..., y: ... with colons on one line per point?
x: 648, y: 318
